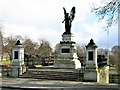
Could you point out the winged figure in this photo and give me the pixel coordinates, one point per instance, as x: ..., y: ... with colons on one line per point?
x: 68, y: 19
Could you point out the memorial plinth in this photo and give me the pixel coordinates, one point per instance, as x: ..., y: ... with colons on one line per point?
x: 67, y: 57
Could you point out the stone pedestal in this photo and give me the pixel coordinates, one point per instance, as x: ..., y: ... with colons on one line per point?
x: 18, y: 66
x: 67, y: 57
x: 91, y: 73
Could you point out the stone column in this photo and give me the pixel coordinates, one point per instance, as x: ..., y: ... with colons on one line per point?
x: 18, y: 66
x: 91, y: 68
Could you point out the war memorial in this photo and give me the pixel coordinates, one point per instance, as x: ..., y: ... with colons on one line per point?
x: 67, y: 71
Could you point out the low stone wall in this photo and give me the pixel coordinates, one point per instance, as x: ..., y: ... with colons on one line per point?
x: 114, y: 78
x: 104, y: 74
x: 5, y: 72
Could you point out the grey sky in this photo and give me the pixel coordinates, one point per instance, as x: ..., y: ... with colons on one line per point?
x: 43, y: 19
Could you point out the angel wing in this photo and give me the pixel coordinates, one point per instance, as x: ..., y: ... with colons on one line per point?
x: 72, y: 13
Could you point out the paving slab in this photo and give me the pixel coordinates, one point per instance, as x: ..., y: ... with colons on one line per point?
x: 29, y: 83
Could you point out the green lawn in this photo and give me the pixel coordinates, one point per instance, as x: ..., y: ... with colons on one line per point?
x: 4, y: 62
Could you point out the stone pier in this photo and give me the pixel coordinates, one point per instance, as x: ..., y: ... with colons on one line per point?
x: 94, y: 71
x: 18, y: 66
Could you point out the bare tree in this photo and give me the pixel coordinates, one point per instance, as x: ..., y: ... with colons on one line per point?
x: 8, y: 43
x: 19, y: 37
x: 113, y: 59
x: 81, y: 50
x: 114, y: 56
x: 115, y: 49
x: 81, y: 53
x: 102, y: 51
x: 30, y: 46
x: 108, y: 12
x: 44, y: 48
x: 57, y: 49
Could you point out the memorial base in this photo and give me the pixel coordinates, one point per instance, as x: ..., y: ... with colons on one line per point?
x: 18, y: 70
x: 67, y: 55
x: 74, y: 64
x: 91, y: 73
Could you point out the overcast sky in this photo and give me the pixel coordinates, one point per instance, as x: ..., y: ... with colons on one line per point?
x: 42, y: 19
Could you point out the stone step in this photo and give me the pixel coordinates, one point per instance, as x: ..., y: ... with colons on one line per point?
x: 52, y: 74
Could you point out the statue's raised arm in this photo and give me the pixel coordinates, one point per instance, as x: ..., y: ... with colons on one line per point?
x: 68, y: 20
x: 65, y: 13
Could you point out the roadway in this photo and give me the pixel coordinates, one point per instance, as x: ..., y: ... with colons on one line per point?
x: 40, y: 84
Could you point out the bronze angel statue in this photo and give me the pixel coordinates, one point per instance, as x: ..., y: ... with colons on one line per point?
x: 68, y: 20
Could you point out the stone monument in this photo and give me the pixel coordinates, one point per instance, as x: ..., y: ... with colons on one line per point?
x: 67, y: 57
x: 18, y: 66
